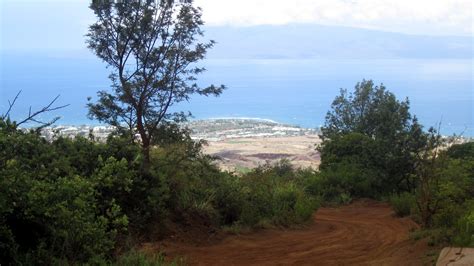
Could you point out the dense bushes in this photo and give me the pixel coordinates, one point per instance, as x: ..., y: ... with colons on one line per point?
x: 373, y: 147
x: 461, y: 151
x: 75, y: 201
x: 276, y: 195
x: 49, y: 209
x: 403, y: 204
x: 267, y: 195
x: 134, y: 257
x: 372, y: 134
x: 349, y: 164
x: 453, y: 199
x: 447, y: 199
x: 464, y: 230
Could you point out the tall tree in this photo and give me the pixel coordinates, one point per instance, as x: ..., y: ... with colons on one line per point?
x: 376, y: 113
x: 152, y: 48
x: 370, y: 110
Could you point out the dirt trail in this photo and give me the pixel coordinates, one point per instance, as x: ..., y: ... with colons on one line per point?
x: 363, y: 233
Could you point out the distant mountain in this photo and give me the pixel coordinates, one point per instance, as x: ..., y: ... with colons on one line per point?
x: 298, y: 41
x: 292, y: 41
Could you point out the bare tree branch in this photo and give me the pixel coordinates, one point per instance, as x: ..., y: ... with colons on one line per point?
x: 48, y: 108
x: 10, y: 106
x: 32, y: 115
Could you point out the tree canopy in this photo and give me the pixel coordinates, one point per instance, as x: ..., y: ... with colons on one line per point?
x: 396, y: 136
x: 370, y: 110
x: 153, y: 48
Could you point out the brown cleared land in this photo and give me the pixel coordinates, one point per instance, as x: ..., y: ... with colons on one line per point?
x: 241, y: 153
x: 363, y: 233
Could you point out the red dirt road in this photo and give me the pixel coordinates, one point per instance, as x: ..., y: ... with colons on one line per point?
x: 363, y: 233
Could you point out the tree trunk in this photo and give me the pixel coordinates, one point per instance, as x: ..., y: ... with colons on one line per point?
x: 145, y: 140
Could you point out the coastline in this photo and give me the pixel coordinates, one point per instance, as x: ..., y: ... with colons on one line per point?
x: 207, y: 129
x: 238, y: 143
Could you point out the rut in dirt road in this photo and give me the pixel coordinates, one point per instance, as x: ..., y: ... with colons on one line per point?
x: 364, y: 232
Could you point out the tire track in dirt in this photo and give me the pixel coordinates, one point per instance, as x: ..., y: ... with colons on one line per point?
x: 363, y: 233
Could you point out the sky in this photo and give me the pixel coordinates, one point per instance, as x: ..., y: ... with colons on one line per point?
x: 61, y: 24
x: 427, y: 17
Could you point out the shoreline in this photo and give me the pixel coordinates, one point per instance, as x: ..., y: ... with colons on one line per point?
x: 212, y: 129
x: 206, y: 129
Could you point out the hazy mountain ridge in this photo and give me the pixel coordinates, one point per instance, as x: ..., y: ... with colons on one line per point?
x: 303, y: 41
x: 299, y: 41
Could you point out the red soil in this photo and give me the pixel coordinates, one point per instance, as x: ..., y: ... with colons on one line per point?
x: 363, y: 233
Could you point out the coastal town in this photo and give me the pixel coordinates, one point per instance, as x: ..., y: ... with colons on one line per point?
x: 237, y: 144
x: 208, y: 129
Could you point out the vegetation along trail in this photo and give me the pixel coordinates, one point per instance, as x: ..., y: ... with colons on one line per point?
x: 363, y: 233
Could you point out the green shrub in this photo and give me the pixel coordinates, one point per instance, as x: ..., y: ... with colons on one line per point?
x: 229, y: 199
x: 403, y: 204
x: 278, y: 195
x: 50, y: 220
x: 71, y: 201
x: 465, y: 229
x: 257, y: 204
x: 49, y: 211
x: 137, y: 258
x: 461, y: 151
x: 344, y: 198
x: 284, y: 202
x: 349, y: 165
x: 451, y: 205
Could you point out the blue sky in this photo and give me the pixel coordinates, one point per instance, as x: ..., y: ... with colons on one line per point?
x: 29, y: 26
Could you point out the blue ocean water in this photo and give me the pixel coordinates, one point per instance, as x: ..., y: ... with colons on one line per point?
x: 298, y: 92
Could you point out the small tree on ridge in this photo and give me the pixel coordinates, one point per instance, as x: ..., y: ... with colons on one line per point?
x: 152, y: 48
x: 376, y: 113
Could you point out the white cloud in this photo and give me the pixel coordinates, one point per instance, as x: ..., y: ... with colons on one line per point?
x: 438, y: 17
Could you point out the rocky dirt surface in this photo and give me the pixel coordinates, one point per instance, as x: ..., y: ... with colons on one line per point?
x: 363, y: 233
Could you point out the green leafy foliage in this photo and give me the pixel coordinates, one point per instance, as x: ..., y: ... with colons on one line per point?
x: 451, y: 194
x: 349, y: 164
x: 373, y: 135
x: 74, y: 200
x: 277, y: 195
x: 465, y: 227
x: 461, y: 151
x: 50, y: 210
x: 152, y: 48
x: 373, y: 147
x: 454, y: 199
x: 137, y: 258
x: 403, y: 204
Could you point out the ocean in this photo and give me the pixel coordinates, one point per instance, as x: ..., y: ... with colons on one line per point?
x: 297, y: 92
